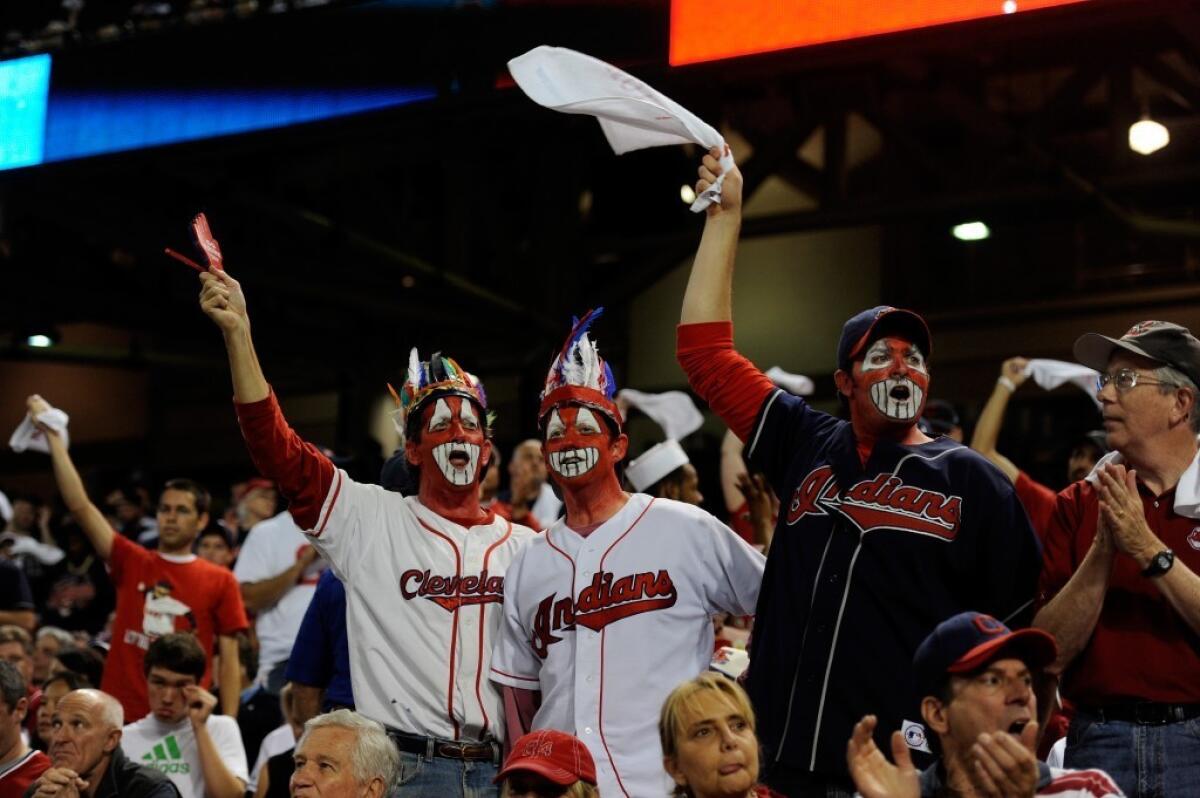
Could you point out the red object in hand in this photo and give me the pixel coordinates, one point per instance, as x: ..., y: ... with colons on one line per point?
x: 208, y: 244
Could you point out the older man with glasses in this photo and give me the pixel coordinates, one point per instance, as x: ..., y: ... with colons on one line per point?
x: 1119, y: 588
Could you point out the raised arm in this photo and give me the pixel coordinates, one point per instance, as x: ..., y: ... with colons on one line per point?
x: 221, y: 298
x: 302, y: 473
x: 710, y: 286
x: 730, y: 383
x: 987, y: 428
x: 87, y: 515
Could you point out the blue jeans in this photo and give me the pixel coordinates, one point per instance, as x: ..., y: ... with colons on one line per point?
x: 1145, y: 761
x: 438, y: 777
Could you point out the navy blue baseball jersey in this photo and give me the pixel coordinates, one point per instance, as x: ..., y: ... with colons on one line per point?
x: 865, y: 561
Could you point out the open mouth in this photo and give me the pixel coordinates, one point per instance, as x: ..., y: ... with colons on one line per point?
x: 573, y: 462
x: 458, y: 461
x: 898, y: 399
x: 1017, y: 726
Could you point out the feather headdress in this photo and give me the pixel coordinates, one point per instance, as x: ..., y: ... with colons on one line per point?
x: 425, y: 380
x: 579, y: 375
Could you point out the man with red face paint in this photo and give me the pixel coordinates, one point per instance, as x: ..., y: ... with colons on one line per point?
x: 882, y: 533
x: 424, y: 574
x: 611, y: 608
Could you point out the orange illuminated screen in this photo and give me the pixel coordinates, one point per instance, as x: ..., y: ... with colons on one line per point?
x: 707, y: 30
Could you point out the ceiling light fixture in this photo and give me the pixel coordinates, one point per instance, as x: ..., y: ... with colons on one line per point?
x: 1147, y: 136
x: 971, y: 231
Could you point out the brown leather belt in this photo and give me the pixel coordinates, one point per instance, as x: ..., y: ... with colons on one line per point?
x: 447, y: 749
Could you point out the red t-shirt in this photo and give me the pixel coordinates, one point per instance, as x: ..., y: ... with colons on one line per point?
x: 1141, y: 649
x: 158, y: 594
x: 20, y: 774
x: 1038, y: 501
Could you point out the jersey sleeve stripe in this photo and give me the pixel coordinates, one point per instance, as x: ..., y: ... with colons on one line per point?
x: 762, y: 421
x: 1087, y: 782
x: 337, y: 490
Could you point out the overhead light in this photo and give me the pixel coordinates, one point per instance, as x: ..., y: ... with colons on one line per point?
x: 971, y: 231
x: 1147, y: 136
x: 39, y: 341
x: 687, y: 194
x: 1009, y: 6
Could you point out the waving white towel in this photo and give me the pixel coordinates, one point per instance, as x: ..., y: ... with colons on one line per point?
x: 632, y: 115
x: 28, y: 436
x: 1049, y: 374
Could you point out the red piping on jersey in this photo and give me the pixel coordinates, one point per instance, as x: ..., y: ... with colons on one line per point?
x: 483, y: 617
x: 337, y: 490
x: 534, y: 679
x: 453, y: 626
x: 600, y: 719
x: 623, y: 534
x: 550, y: 543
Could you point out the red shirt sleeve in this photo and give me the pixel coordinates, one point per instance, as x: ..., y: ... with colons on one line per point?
x: 122, y: 550
x: 1058, y: 541
x: 231, y: 611
x: 302, y: 473
x: 733, y: 386
x: 1038, y: 500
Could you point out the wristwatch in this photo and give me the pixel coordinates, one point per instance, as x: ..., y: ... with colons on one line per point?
x: 1160, y: 563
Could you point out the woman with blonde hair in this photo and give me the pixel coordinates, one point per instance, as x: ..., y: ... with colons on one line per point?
x: 708, y: 741
x: 548, y: 764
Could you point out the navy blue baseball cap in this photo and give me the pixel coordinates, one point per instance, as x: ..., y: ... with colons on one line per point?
x: 970, y: 640
x: 863, y: 328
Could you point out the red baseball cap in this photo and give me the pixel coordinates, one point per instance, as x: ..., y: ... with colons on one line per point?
x: 556, y: 755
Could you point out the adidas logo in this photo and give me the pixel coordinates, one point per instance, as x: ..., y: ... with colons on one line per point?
x: 166, y: 757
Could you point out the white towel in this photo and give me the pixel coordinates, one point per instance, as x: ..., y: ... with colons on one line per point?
x: 797, y: 384
x: 1187, y: 491
x: 1049, y: 374
x: 674, y: 411
x: 27, y: 436
x: 632, y: 115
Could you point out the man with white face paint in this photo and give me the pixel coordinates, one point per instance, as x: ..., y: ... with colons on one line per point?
x: 611, y: 608
x: 882, y: 532
x: 424, y: 574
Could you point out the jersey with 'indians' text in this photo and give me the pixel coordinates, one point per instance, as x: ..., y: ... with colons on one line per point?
x: 605, y: 626
x: 866, y: 560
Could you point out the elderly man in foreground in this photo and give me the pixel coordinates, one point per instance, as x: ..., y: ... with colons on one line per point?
x: 1120, y: 586
x: 86, y: 757
x: 344, y: 755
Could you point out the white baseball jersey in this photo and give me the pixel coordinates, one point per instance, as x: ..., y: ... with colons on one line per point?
x: 606, y: 626
x: 423, y: 608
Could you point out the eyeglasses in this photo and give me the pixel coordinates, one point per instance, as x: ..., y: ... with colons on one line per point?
x: 1125, y: 380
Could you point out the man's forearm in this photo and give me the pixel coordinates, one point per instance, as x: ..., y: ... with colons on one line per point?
x: 1071, y: 616
x: 219, y: 782
x: 1181, y: 587
x: 265, y: 593
x: 306, y: 702
x: 70, y: 487
x: 26, y: 619
x: 987, y: 430
x: 709, y: 294
x: 230, y: 675
x: 249, y: 383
